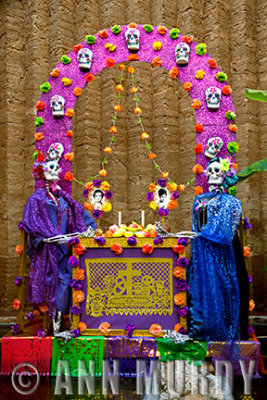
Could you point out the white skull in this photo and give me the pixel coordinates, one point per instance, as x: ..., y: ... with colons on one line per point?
x: 215, y: 173
x: 51, y: 170
x: 182, y: 51
x: 213, y: 97
x: 57, y: 104
x: 132, y: 36
x: 213, y: 147
x: 55, y: 151
x: 85, y: 59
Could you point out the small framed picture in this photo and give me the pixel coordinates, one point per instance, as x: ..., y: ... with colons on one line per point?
x: 98, y: 199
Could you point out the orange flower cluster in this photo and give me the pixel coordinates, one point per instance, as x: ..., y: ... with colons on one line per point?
x: 174, y: 72
x: 40, y: 106
x: 77, y: 48
x: 226, y: 90
x: 79, y: 249
x: 198, y: 190
x: 39, y: 136
x: 232, y: 127
x: 162, y: 29
x: 103, y: 172
x: 82, y: 327
x: 156, y: 62
x: 179, y: 300
x: 77, y: 91
x: 89, y: 77
x: 172, y: 204
x: 155, y: 330
x: 69, y: 133
x: 80, y: 274
x: 212, y: 63
x: 198, y: 169
x: 137, y: 110
x: 133, y: 57
x: 144, y: 136
x: 122, y: 67
x: 103, y: 34
x: 88, y: 206
x: 104, y: 328
x: 55, y: 73
x: 179, y: 272
x: 117, y: 107
x: 178, y: 248
x: 199, y: 128
x: 119, y: 88
x: 69, y: 156
x: 198, y: 148
x: 69, y: 113
x: 43, y: 308
x: 247, y: 251
x: 188, y: 86
x: 78, y: 296
x: 152, y: 156
x: 16, y: 304
x: 147, y: 248
x: 108, y: 150
x: 68, y: 176
x: 110, y: 62
x: 18, y: 250
x: 188, y: 39
x: 196, y: 104
x: 116, y: 248
x: 131, y: 70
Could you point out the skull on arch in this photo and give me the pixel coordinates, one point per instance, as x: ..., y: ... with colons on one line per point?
x: 182, y: 51
x: 213, y: 147
x: 213, y: 98
x: 214, y: 173
x: 55, y: 152
x: 85, y: 59
x: 51, y: 170
x: 132, y: 36
x: 57, y: 104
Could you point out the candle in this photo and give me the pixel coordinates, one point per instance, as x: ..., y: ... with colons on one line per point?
x: 143, y: 218
x: 119, y: 218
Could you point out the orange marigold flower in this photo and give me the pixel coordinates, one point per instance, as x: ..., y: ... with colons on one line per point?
x: 78, y: 296
x: 179, y: 272
x: 39, y: 136
x: 113, y: 129
x: 179, y: 300
x: 152, y: 156
x: 80, y: 275
x: 119, y: 88
x: 178, y: 248
x: 82, y: 326
x: 199, y: 128
x: 198, y: 148
x: 132, y: 25
x: 137, y: 110
x: 156, y: 62
x: 155, y: 329
x: 147, y: 248
x: 40, y: 106
x: 16, y: 304
x: 89, y: 185
x: 188, y: 86
x: 251, y: 305
x: 152, y: 187
x: 55, y: 73
x: 182, y: 187
x: 89, y: 77
x: 188, y: 39
x: 131, y: 70
x: 172, y: 186
x: 212, y: 63
x: 162, y: 29
x: 18, y: 250
x: 247, y: 251
x: 108, y: 233
x: 43, y: 308
x: 144, y: 136
x: 196, y: 104
x: 177, y: 327
x: 232, y: 127
x: 198, y: 190
x: 116, y: 248
x: 122, y: 67
x: 172, y: 204
x: 69, y: 133
x: 198, y: 169
x: 110, y: 62
x: 79, y: 249
x: 69, y: 113
x: 234, y: 165
x: 36, y: 312
x: 68, y: 176
x: 103, y: 172
x: 104, y: 328
x: 117, y: 107
x: 88, y: 206
x: 69, y: 156
x: 77, y: 91
x: 174, y: 72
x: 103, y: 34
x: 133, y: 89
x: 165, y: 174
x: 77, y: 48
x: 226, y: 90
x: 133, y: 57
x: 108, y: 150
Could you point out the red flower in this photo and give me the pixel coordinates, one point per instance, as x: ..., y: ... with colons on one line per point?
x: 77, y: 48
x: 212, y: 63
x: 79, y: 249
x: 110, y: 62
x: 199, y: 128
x: 89, y: 77
x: 40, y: 106
x: 188, y: 39
x: 68, y: 176
x: 147, y: 248
x: 198, y: 148
x: 178, y: 248
x: 116, y: 248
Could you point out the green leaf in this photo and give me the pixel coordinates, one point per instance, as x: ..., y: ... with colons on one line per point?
x: 156, y: 166
x: 114, y: 117
x: 148, y: 145
x: 259, y: 95
x: 113, y: 139
x: 118, y: 96
x: 136, y: 99
x: 246, y: 172
x: 264, y: 269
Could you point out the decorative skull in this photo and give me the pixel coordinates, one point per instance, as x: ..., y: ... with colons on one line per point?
x: 213, y: 147
x: 214, y: 173
x: 51, y: 170
x: 132, y: 36
x: 182, y: 51
x: 85, y: 59
x: 213, y: 97
x: 55, y: 152
x: 57, y: 104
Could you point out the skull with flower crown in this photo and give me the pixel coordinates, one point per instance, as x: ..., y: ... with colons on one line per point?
x: 182, y: 51
x: 57, y: 104
x: 215, y: 173
x: 85, y: 59
x: 55, y: 152
x: 213, y: 98
x: 132, y: 36
x: 213, y: 147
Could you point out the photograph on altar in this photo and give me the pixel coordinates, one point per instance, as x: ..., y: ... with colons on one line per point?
x: 98, y: 199
x: 162, y: 197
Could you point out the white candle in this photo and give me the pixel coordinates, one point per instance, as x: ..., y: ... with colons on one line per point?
x: 119, y: 218
x: 143, y: 218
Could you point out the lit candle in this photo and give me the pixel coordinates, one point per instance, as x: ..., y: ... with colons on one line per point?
x: 119, y: 218
x: 143, y: 218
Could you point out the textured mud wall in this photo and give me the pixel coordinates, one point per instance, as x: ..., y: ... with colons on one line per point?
x: 34, y: 35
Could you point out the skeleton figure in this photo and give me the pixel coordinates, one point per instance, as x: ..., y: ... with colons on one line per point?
x: 213, y: 98
x: 214, y: 173
x: 57, y: 104
x: 132, y: 36
x: 85, y: 59
x: 182, y: 51
x: 51, y: 170
x: 55, y: 152
x: 213, y: 147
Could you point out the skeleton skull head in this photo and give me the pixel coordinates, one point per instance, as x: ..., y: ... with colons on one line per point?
x: 213, y: 98
x: 51, y: 170
x: 182, y: 51
x: 55, y: 151
x: 85, y: 59
x: 57, y: 104
x: 214, y: 173
x: 213, y: 147
x: 132, y: 36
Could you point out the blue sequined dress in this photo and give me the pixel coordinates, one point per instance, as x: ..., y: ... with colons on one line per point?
x: 214, y: 291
